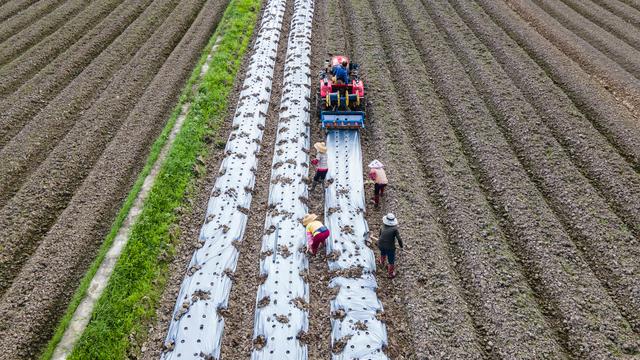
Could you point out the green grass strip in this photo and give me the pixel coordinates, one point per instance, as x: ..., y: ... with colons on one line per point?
x: 129, y: 301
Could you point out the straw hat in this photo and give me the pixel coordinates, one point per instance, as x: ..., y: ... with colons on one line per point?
x: 321, y: 147
x: 390, y: 220
x: 308, y: 218
x: 375, y: 164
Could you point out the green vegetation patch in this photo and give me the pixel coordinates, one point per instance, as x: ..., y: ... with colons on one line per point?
x: 121, y: 315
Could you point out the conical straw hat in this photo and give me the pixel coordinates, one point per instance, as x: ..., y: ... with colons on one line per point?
x: 308, y: 218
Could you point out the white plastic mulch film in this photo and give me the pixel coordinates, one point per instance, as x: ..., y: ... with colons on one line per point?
x: 357, y: 333
x: 281, y: 300
x: 196, y: 328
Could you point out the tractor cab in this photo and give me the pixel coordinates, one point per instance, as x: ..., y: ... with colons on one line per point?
x: 341, y: 104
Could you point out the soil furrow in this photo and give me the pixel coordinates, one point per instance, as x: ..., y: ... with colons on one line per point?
x: 519, y: 122
x: 29, y: 148
x: 328, y: 29
x: 622, y: 10
x: 623, y: 86
x: 616, y: 49
x: 607, y: 21
x: 513, y: 324
x: 77, y: 234
x: 51, y: 186
x: 27, y: 64
x: 608, y: 172
x: 483, y: 140
x: 600, y: 107
x: 237, y: 341
x: 430, y: 294
x: 38, y: 31
x: 27, y: 17
x: 10, y: 8
x: 633, y: 3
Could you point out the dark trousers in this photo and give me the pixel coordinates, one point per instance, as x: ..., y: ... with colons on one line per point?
x: 320, y: 175
x: 378, y: 190
x: 390, y: 254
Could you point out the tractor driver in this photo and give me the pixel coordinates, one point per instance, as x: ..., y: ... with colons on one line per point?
x: 341, y: 72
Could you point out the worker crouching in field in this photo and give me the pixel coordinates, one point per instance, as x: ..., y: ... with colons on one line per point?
x: 317, y: 233
x: 387, y: 243
x: 322, y: 164
x: 379, y: 178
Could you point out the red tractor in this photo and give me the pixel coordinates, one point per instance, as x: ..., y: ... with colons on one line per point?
x: 341, y: 103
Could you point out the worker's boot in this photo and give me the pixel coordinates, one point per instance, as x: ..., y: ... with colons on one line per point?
x: 376, y: 200
x: 391, y: 270
x: 382, y: 261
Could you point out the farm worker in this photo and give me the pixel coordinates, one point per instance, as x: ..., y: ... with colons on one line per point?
x: 379, y: 178
x: 341, y: 72
x: 322, y: 164
x: 317, y: 233
x: 387, y: 243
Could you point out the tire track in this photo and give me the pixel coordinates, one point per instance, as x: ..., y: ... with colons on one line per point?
x: 600, y: 163
x: 50, y: 188
x: 237, y: 340
x: 39, y: 30
x: 27, y: 17
x: 597, y: 307
x: 25, y: 65
x: 10, y: 8
x: 600, y: 107
x: 513, y: 324
x: 80, y: 73
x: 614, y: 78
x: 617, y: 50
x: 607, y: 21
x: 74, y: 239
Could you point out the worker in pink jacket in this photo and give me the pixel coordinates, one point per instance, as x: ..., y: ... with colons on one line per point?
x: 322, y: 164
x: 317, y: 233
x: 379, y: 178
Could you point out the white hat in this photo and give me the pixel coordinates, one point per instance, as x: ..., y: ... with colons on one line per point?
x: 321, y: 147
x: 375, y: 164
x: 390, y: 220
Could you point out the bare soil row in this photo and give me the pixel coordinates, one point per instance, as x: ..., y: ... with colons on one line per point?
x: 600, y: 107
x: 624, y: 11
x: 63, y: 125
x: 27, y: 15
x: 23, y: 65
x: 12, y: 7
x: 502, y: 100
x: 31, y: 307
x: 42, y: 28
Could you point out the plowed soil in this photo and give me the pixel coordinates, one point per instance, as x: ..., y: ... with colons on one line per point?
x: 509, y: 130
x: 82, y: 147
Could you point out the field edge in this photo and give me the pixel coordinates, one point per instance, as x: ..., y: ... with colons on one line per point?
x: 153, y: 229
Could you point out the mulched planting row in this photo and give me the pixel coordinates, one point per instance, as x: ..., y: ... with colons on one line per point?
x: 27, y: 216
x: 607, y: 21
x: 607, y: 170
x: 604, y: 111
x: 597, y: 306
x: 43, y: 130
x: 624, y: 86
x: 427, y: 288
x: 26, y: 64
x: 624, y: 11
x: 237, y: 340
x: 27, y: 17
x: 502, y: 302
x: 12, y: 7
x: 70, y: 245
x: 41, y: 29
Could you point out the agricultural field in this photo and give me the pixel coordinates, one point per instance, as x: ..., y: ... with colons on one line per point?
x: 180, y: 133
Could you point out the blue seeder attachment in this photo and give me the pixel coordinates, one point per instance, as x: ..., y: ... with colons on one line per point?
x: 342, y: 119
